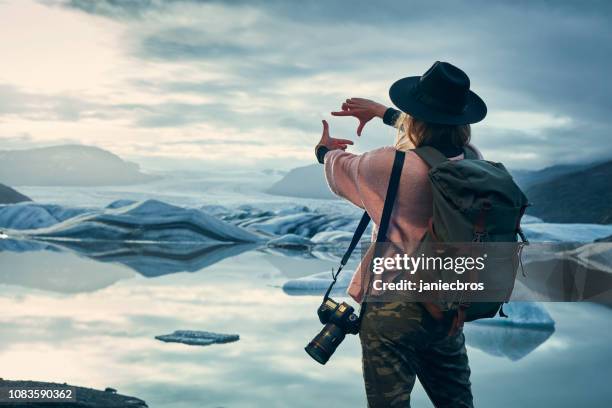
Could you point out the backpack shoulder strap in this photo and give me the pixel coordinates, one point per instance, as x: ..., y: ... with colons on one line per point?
x: 396, y: 173
x: 430, y: 155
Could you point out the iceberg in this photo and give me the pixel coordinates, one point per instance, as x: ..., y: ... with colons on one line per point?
x: 297, y: 220
x: 148, y: 221
x: 291, y: 241
x: 521, y: 314
x: 318, y: 283
x: 332, y: 237
x: 29, y: 215
x: 295, y: 266
x: 197, y: 338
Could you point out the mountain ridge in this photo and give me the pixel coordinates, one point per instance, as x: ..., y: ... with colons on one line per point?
x: 68, y: 165
x: 583, y: 196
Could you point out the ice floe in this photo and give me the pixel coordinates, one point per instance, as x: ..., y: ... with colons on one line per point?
x: 317, y: 283
x: 522, y: 314
x: 197, y: 338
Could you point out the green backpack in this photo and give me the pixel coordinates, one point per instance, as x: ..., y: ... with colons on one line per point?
x: 474, y: 200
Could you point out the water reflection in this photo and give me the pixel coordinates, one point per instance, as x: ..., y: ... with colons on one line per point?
x: 101, y: 333
x: 511, y: 342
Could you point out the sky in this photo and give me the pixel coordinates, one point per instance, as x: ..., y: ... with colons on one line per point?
x: 194, y: 84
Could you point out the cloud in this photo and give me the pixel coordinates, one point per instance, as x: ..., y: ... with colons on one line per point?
x: 35, y: 106
x: 257, y: 67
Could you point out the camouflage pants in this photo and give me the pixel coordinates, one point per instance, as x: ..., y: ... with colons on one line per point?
x: 401, y: 342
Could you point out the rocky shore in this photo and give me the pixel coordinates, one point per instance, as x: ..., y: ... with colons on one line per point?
x: 83, y: 397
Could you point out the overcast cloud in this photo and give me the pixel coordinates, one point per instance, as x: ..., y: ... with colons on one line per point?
x: 247, y: 82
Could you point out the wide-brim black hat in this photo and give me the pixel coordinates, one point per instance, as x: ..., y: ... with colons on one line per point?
x: 441, y: 95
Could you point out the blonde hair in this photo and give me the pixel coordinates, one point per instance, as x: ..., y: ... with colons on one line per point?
x: 413, y: 133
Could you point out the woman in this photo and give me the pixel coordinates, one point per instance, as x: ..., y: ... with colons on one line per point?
x: 404, y: 340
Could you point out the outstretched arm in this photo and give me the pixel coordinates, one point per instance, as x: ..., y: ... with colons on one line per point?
x: 365, y: 110
x: 327, y: 143
x: 340, y: 166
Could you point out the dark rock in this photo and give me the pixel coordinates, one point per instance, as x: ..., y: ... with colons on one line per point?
x: 11, y: 196
x: 85, y: 397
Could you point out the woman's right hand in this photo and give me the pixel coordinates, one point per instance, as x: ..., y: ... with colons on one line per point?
x: 363, y: 109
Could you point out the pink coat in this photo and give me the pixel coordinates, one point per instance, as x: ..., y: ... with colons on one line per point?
x: 363, y: 179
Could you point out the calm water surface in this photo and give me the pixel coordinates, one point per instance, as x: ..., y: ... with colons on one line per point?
x: 68, y: 318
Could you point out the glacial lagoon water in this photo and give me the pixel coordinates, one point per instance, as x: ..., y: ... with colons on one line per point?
x: 91, y: 321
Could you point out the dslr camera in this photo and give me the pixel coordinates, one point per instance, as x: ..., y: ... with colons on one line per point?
x: 339, y: 319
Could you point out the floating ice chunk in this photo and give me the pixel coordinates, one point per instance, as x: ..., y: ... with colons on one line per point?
x: 197, y: 338
x: 522, y: 314
x: 317, y: 283
x: 290, y: 241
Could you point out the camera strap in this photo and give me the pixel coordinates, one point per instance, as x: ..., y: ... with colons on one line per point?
x: 381, y: 236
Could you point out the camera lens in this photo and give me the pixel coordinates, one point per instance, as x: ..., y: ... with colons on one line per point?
x: 325, y: 343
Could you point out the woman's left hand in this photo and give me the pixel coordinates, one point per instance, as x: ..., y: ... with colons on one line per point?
x: 330, y: 142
